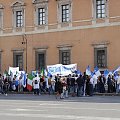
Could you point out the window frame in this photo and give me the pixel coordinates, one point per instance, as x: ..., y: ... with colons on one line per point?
x: 41, y: 16
x: 18, y: 6
x: 19, y: 18
x: 62, y: 58
x: 38, y: 6
x: 100, y: 11
x: 37, y: 53
x: 15, y: 54
x: 96, y: 57
x: 59, y: 10
x: 65, y: 13
x: 94, y: 11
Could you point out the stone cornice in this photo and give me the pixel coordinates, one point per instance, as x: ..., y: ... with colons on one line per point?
x: 39, y: 1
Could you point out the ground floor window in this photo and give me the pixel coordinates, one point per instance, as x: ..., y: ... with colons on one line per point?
x: 40, y: 60
x: 64, y: 57
x: 18, y: 60
x: 101, y: 57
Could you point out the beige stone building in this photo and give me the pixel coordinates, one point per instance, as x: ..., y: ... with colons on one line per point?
x: 36, y: 33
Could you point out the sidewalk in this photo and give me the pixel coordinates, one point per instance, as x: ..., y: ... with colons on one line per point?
x: 97, y: 94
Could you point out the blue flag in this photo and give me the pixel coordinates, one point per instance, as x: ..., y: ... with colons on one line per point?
x: 88, y: 71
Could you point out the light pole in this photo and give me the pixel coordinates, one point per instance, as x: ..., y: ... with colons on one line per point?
x: 25, y: 43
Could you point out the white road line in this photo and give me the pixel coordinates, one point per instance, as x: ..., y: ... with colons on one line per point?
x: 26, y: 110
x: 63, y: 117
x: 52, y: 106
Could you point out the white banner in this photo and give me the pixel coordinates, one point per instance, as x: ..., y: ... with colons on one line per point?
x: 13, y: 70
x: 54, y: 69
x: 62, y: 69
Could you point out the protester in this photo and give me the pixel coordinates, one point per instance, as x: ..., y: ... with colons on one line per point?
x: 36, y: 85
x: 59, y: 89
x: 80, y: 84
x: 1, y: 84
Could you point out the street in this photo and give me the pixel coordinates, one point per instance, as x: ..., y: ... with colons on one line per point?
x: 47, y: 107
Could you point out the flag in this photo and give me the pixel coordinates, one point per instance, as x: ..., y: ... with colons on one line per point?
x: 5, y: 74
x: 106, y: 73
x: 78, y: 72
x: 24, y: 80
x: 88, y: 71
x: 97, y: 71
x: 42, y: 73
x: 118, y: 69
x: 29, y: 82
x: 48, y: 74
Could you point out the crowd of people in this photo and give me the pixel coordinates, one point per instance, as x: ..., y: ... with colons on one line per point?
x: 63, y: 86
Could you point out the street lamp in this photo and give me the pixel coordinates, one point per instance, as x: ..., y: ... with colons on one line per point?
x: 25, y: 43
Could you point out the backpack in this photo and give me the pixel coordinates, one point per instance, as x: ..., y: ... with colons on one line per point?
x: 36, y: 82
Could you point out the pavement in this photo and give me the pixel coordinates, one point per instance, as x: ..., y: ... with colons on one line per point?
x: 96, y: 94
x: 47, y: 107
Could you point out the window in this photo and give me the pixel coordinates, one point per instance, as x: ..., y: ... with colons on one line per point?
x: 65, y: 57
x: 41, y: 16
x: 40, y: 60
x: 65, y: 13
x: 19, y: 19
x: 100, y: 8
x: 18, y: 9
x: 101, y: 57
x: 18, y: 60
x: 41, y: 13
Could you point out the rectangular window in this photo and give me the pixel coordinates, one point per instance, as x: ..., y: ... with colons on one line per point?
x: 19, y: 19
x: 100, y: 9
x: 101, y: 57
x: 65, y: 13
x: 41, y: 16
x: 40, y: 61
x: 18, y: 60
x: 65, y: 57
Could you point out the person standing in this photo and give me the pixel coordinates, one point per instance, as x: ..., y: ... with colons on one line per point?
x: 59, y: 88
x: 36, y: 85
x: 80, y: 84
x: 118, y: 84
x: 1, y: 84
x: 6, y: 86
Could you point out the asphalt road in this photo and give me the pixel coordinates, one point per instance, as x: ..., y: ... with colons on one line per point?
x: 45, y: 107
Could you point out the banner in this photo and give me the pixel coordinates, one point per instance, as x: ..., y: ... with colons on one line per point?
x: 13, y: 70
x: 61, y: 69
x: 68, y: 69
x: 54, y: 69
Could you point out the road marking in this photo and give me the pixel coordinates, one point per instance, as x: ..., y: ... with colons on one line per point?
x: 61, y: 106
x: 27, y: 110
x: 64, y: 117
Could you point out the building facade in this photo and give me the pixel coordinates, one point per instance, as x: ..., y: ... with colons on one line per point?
x: 37, y: 33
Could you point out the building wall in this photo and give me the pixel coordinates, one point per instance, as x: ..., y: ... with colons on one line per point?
x: 83, y: 33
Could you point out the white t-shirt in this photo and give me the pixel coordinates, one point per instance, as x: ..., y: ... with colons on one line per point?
x: 95, y: 79
x: 91, y: 81
x: 36, y: 86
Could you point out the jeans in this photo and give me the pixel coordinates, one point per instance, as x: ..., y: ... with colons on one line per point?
x: 80, y: 91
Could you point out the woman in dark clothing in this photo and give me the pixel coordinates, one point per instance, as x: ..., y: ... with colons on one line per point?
x: 88, y: 86
x: 6, y: 86
x: 59, y: 88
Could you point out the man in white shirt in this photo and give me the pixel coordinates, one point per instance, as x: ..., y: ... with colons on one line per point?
x: 91, y: 85
x: 36, y: 85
